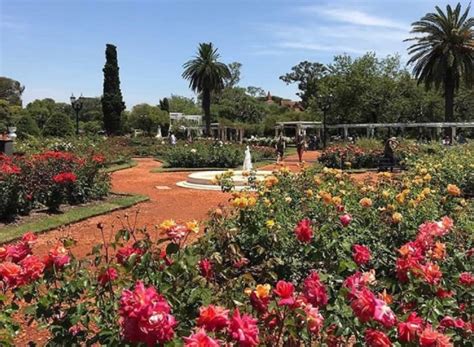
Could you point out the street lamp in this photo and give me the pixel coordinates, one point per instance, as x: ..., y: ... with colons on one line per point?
x: 77, y: 107
x: 325, y: 102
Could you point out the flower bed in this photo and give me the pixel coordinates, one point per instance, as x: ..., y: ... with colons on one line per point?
x: 307, y: 258
x: 49, y: 179
x: 445, y: 165
x: 206, y: 155
x: 350, y: 156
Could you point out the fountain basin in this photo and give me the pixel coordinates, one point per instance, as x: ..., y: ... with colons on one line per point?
x: 204, y: 180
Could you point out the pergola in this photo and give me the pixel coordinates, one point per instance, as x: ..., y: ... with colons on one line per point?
x: 227, y: 132
x: 370, y: 127
x: 298, y: 126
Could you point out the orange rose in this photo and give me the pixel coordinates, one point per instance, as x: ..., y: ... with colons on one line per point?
x: 453, y: 190
x: 365, y: 202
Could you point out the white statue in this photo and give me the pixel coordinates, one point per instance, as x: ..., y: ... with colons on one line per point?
x: 247, y: 160
x: 158, y: 134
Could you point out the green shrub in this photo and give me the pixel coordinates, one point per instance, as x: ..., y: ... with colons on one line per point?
x: 58, y: 125
x: 201, y: 155
x: 26, y: 125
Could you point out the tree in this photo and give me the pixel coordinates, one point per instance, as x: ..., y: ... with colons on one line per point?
x: 11, y: 91
x: 112, y: 102
x: 183, y: 104
x: 26, y: 125
x: 206, y: 75
x: 234, y: 78
x: 58, y: 125
x: 255, y: 91
x: 165, y: 105
x: 234, y: 104
x: 444, y: 53
x: 147, y: 118
x: 5, y: 115
x: 307, y: 75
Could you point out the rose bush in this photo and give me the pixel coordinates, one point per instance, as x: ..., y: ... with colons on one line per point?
x: 310, y: 258
x: 350, y: 156
x: 49, y: 179
x: 204, y: 154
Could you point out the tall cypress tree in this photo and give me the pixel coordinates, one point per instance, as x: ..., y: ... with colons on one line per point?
x: 165, y: 105
x: 112, y: 101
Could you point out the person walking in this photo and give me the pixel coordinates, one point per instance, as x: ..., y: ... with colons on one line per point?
x: 280, y: 148
x: 300, y: 145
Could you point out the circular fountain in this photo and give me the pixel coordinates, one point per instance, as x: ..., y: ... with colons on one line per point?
x: 206, y: 180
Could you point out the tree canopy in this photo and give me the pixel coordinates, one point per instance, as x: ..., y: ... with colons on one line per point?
x: 206, y: 74
x: 443, y: 52
x: 112, y: 101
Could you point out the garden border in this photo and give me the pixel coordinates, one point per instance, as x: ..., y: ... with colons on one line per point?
x: 93, y: 209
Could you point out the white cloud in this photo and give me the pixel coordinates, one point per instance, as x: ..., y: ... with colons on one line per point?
x: 336, y: 30
x: 355, y: 16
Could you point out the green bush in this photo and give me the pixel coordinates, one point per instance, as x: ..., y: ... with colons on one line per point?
x: 58, y: 125
x: 26, y: 125
x: 201, y: 155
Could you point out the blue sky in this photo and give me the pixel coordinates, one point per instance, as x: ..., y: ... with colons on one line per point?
x: 55, y: 47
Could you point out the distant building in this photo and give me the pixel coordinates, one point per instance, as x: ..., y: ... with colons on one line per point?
x: 190, y: 119
x: 292, y: 105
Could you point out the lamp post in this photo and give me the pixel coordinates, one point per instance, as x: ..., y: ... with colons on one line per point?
x: 325, y: 105
x: 77, y: 107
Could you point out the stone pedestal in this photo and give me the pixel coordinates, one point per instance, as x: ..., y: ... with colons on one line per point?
x: 6, y: 146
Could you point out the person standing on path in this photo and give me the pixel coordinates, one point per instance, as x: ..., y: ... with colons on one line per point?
x: 280, y: 148
x: 389, y: 151
x: 300, y: 145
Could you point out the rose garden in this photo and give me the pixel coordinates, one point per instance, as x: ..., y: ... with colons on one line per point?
x: 145, y: 228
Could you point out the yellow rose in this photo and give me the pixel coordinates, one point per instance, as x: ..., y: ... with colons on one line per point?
x: 270, y: 181
x: 397, y: 217
x: 167, y: 224
x: 262, y: 290
x: 309, y: 193
x: 317, y: 180
x: 336, y: 200
x: 270, y: 223
x: 193, y: 226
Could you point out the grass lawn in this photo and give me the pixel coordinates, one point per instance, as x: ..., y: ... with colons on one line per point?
x: 121, y: 166
x: 75, y: 214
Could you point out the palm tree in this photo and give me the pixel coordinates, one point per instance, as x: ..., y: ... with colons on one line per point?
x: 206, y: 75
x: 444, y: 54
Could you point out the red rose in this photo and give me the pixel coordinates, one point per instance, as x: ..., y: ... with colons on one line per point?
x: 433, y: 338
x: 314, y: 291
x: 213, y: 318
x: 285, y: 291
x: 410, y: 329
x: 345, y: 219
x: 361, y: 254
x: 65, y: 178
x: 364, y: 305
x: 376, y: 338
x: 205, y: 267
x: 466, y: 279
x: 108, y: 275
x: 303, y: 231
